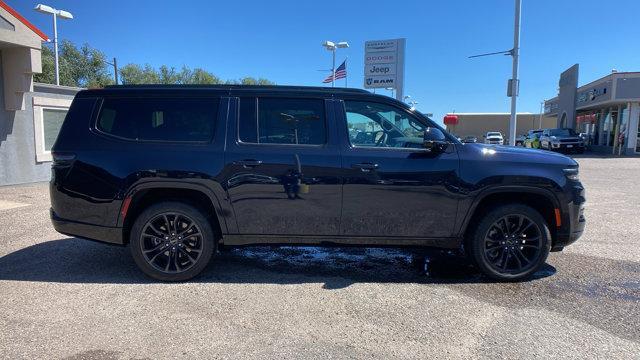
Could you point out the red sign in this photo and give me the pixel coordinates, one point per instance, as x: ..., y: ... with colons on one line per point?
x: 450, y: 119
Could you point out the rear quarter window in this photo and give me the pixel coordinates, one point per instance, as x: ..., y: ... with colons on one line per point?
x: 159, y: 119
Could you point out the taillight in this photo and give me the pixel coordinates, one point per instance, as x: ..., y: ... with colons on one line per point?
x: 63, y: 156
x: 62, y: 159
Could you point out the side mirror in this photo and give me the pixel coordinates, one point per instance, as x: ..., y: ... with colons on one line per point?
x: 434, y: 140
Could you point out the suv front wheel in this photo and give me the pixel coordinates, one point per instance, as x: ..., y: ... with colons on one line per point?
x: 510, y: 243
x: 171, y: 241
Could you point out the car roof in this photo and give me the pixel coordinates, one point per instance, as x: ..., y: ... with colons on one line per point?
x: 221, y: 88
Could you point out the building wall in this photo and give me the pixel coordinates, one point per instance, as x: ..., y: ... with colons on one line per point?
x: 17, y: 139
x: 479, y: 124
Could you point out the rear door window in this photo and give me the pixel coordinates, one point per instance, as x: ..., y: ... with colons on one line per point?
x: 159, y: 119
x: 282, y: 121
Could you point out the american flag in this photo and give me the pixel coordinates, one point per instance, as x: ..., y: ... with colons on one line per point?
x: 341, y: 73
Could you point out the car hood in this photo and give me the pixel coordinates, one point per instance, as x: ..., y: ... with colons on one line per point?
x: 516, y: 154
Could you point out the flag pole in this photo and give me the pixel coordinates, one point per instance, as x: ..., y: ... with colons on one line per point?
x: 346, y: 73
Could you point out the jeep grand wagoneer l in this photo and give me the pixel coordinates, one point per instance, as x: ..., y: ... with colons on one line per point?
x: 176, y: 172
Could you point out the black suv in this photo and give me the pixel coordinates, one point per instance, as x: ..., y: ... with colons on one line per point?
x: 561, y: 140
x: 178, y: 172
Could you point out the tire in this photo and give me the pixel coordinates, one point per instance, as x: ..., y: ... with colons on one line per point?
x: 171, y: 241
x: 503, y: 254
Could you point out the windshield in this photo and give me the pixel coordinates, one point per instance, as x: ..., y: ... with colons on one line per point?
x: 562, y: 132
x: 494, y: 134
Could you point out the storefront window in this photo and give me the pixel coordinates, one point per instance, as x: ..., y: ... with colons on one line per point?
x: 621, y: 132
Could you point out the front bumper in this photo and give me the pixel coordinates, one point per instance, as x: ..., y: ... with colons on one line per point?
x: 568, y: 146
x: 111, y: 235
x: 574, y: 219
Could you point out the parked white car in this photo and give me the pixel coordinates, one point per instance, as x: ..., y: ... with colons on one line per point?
x: 494, y: 137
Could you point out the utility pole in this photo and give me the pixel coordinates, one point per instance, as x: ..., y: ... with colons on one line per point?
x: 515, y: 53
x: 541, y: 111
x: 115, y: 68
x: 514, y: 82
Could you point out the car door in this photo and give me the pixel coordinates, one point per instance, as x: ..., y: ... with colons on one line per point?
x: 393, y: 187
x: 282, y: 166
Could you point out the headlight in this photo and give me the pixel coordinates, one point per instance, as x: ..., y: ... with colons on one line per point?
x: 572, y: 174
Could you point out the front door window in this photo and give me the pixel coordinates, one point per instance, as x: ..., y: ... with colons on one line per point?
x: 379, y: 125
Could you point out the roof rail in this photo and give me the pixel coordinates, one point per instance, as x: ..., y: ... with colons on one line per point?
x: 239, y: 87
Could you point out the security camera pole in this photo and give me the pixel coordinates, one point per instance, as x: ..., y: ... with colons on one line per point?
x: 64, y: 15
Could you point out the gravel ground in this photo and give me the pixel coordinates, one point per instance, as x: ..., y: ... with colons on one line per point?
x: 62, y: 297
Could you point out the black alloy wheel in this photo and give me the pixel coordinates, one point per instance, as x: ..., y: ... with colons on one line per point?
x: 171, y: 241
x: 511, y: 242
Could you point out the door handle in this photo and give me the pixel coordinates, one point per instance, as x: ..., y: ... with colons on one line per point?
x: 365, y: 167
x: 249, y: 163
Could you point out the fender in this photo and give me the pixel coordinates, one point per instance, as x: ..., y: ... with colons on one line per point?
x: 466, y: 218
x: 222, y: 211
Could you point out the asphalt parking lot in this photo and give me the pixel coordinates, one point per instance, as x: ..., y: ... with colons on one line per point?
x: 62, y: 297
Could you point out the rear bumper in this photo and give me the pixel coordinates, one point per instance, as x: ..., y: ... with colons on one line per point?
x: 111, y: 235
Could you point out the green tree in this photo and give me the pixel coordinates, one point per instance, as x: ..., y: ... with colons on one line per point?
x: 132, y: 74
x: 81, y: 67
x: 250, y: 81
x: 201, y: 76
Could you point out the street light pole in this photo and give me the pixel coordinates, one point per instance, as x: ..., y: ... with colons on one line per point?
x: 515, y: 53
x: 55, y: 46
x: 331, y: 46
x: 45, y: 9
x: 333, y: 68
x: 541, y: 111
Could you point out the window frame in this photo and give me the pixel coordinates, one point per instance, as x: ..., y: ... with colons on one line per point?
x: 98, y: 111
x: 426, y: 122
x: 39, y: 105
x: 257, y: 98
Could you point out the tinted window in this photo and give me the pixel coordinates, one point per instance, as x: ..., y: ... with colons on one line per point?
x: 159, y: 119
x: 380, y: 125
x: 282, y: 121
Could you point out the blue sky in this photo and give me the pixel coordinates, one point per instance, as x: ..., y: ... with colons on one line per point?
x: 281, y: 41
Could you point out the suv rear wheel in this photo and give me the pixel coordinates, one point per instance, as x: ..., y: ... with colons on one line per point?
x: 171, y: 241
x: 511, y: 242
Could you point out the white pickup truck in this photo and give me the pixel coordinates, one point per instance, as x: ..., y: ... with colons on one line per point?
x: 494, y: 137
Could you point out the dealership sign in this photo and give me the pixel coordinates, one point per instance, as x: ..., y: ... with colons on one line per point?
x: 384, y: 65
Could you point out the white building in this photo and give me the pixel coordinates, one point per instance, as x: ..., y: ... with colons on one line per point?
x: 606, y: 109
